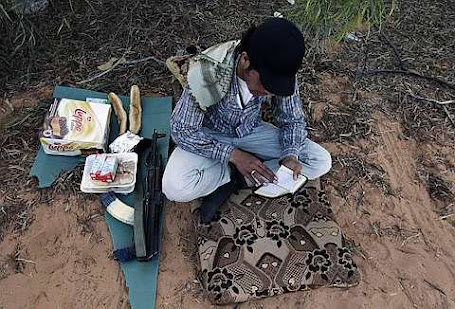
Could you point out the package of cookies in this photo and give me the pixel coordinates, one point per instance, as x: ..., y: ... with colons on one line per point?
x: 74, y: 127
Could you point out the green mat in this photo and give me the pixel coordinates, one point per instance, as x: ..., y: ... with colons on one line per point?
x: 141, y: 277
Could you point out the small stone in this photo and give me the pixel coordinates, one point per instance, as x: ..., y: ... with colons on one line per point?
x: 248, y: 204
x: 277, y: 14
x: 254, y: 288
x: 319, y: 234
x: 239, y: 221
x: 258, y: 202
x: 334, y: 233
x: 302, y: 242
x: 274, y: 264
x: 265, y: 265
x: 226, y: 255
x: 291, y: 281
x: 274, y: 215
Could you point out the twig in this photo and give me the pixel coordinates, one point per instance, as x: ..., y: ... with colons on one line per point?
x: 121, y: 61
x: 429, y: 99
x: 435, y: 287
x: 424, y: 238
x: 24, y: 260
x: 410, y: 237
x: 19, y: 122
x: 365, y: 60
x: 446, y: 216
x: 145, y: 59
x: 395, y: 51
x: 443, y: 103
x: 406, y: 292
x: 5, y: 13
x: 412, y: 73
x: 451, y: 118
x: 7, y: 102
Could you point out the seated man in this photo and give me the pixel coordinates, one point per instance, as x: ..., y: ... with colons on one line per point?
x: 217, y: 123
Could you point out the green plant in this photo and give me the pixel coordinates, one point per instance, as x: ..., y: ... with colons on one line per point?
x: 336, y: 18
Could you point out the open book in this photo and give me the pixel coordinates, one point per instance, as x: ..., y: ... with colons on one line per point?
x: 285, y: 184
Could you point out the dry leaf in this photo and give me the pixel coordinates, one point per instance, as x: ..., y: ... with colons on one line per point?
x: 7, y: 102
x: 106, y: 66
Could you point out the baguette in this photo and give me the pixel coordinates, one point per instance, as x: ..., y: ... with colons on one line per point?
x: 135, y: 110
x: 119, y: 112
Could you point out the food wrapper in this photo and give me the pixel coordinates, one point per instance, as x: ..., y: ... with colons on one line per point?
x: 103, y: 167
x: 125, y: 143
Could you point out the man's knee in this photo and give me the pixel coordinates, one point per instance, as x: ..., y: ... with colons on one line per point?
x: 174, y: 188
x: 178, y: 182
x: 326, y: 162
x: 188, y: 176
x: 321, y: 162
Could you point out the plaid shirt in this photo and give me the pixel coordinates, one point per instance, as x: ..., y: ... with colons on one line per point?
x: 229, y: 118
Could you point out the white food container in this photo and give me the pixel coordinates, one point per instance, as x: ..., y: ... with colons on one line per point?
x: 125, y: 179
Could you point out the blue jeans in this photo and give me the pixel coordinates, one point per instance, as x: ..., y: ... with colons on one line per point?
x: 189, y: 176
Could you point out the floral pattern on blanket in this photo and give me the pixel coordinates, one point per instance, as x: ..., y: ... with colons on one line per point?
x: 258, y: 247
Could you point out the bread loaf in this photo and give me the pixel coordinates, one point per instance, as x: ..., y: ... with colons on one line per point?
x: 119, y: 112
x: 135, y: 110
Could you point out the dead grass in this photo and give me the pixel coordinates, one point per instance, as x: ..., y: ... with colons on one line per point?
x: 411, y: 55
x: 350, y: 170
x: 16, y: 214
x: 435, y: 170
x: 394, y: 231
x: 354, y: 247
x: 351, y: 121
x: 441, y: 191
x: 16, y: 260
x: 439, y: 188
x: 18, y: 145
x: 412, y: 43
x: 73, y: 37
x: 423, y: 121
x: 70, y: 181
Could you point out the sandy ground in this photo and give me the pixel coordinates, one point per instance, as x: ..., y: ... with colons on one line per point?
x: 405, y: 251
x: 61, y: 261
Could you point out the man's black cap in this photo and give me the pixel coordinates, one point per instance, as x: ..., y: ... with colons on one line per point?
x: 276, y: 50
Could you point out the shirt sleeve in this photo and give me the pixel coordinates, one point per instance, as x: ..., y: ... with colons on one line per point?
x: 186, y: 124
x: 288, y: 113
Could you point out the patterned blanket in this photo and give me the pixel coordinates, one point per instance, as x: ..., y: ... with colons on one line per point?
x: 257, y: 247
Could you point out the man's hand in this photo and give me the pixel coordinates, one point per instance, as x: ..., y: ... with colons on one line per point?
x: 251, y: 167
x: 293, y: 164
